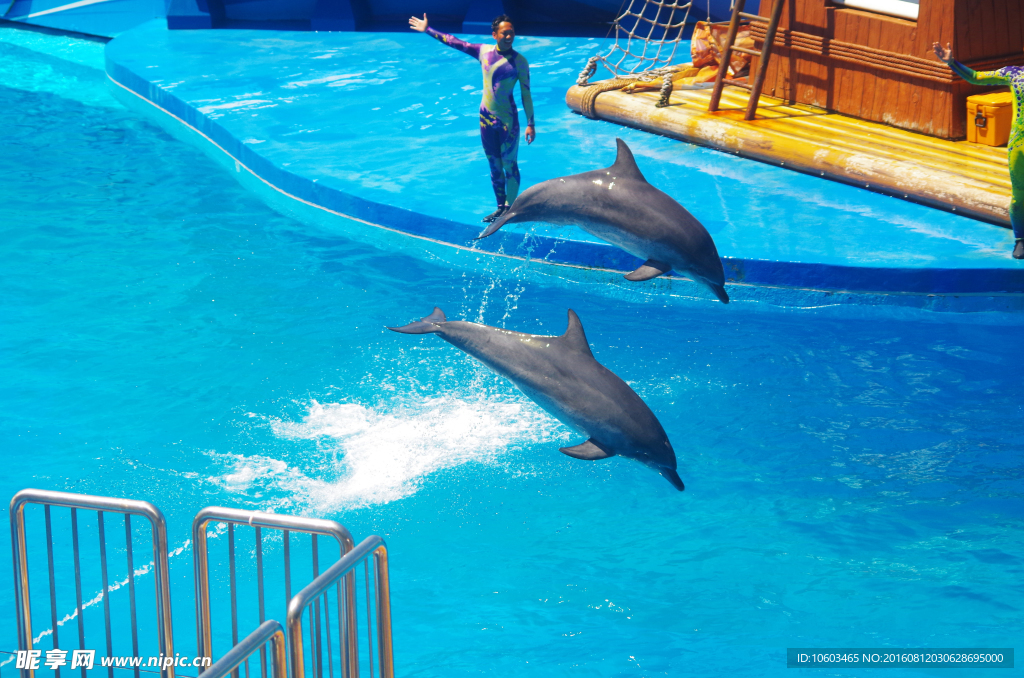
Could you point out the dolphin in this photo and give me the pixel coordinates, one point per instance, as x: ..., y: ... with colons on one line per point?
x: 561, y: 375
x: 619, y: 206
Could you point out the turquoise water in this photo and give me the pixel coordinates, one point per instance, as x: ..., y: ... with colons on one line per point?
x: 851, y: 480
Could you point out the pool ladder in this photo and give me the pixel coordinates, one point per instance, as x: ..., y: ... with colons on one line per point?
x: 287, y: 642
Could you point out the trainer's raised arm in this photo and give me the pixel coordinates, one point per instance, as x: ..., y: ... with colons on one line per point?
x: 968, y: 73
x: 418, y: 25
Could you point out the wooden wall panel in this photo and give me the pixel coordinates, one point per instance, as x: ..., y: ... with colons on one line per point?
x: 988, y: 28
x: 898, y: 81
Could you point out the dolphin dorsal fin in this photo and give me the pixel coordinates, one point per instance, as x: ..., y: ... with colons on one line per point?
x: 574, y: 336
x: 625, y: 165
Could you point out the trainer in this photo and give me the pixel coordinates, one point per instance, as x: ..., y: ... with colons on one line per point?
x: 1014, y: 77
x: 502, y: 67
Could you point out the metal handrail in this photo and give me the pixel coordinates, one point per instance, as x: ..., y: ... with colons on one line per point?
x: 351, y: 557
x: 127, y: 507
x: 343, y: 568
x: 269, y: 630
x: 259, y: 519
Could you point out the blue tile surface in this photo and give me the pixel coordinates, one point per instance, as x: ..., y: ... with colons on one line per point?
x: 383, y: 127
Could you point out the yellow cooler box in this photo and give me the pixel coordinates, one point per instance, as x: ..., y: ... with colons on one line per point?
x: 989, y: 117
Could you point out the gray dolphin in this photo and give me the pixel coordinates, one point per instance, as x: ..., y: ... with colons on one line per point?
x: 618, y: 205
x: 561, y: 375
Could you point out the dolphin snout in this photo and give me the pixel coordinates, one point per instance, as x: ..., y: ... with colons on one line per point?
x: 673, y: 477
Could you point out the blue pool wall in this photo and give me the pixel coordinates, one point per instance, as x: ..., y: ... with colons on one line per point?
x: 537, y: 17
x: 109, y: 18
x: 419, y: 235
x: 172, y: 77
x: 949, y: 283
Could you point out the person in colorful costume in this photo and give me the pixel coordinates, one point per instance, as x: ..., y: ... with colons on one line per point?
x: 1014, y: 77
x: 502, y: 68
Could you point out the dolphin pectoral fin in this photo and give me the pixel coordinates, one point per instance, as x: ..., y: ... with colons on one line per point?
x: 425, y: 326
x: 589, y: 451
x: 673, y: 478
x: 651, y: 269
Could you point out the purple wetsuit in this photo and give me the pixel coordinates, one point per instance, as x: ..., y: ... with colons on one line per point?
x: 499, y: 118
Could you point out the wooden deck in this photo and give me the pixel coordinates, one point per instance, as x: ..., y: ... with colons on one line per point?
x: 965, y: 178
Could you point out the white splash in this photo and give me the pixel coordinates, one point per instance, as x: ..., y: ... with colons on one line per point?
x: 366, y: 457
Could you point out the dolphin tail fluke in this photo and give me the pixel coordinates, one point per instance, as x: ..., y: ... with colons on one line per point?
x: 672, y: 477
x: 490, y: 230
x: 497, y: 223
x: 720, y: 292
x: 424, y: 326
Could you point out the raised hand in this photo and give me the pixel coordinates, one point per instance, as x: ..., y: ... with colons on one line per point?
x: 420, y: 25
x: 943, y: 54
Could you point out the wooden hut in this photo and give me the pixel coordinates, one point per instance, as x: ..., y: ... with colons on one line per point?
x: 879, y: 67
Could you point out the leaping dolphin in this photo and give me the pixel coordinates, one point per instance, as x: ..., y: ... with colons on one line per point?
x: 618, y: 205
x: 561, y: 375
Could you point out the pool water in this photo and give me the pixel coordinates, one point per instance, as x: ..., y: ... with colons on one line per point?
x: 852, y: 479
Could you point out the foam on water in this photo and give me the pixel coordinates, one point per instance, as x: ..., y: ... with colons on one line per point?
x: 374, y: 455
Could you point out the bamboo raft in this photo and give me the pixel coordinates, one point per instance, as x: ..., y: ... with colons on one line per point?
x: 965, y: 178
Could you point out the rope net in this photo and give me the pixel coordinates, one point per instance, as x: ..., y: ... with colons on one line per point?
x: 648, y: 46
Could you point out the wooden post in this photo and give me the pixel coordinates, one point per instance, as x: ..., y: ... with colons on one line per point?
x: 723, y: 68
x: 762, y: 63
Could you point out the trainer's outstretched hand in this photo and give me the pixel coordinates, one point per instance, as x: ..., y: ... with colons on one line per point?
x: 943, y: 54
x: 531, y: 134
x: 418, y: 25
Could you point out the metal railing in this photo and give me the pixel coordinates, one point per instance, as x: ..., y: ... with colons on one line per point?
x: 340, y: 577
x: 269, y: 631
x: 259, y: 520
x: 308, y: 599
x: 101, y: 505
